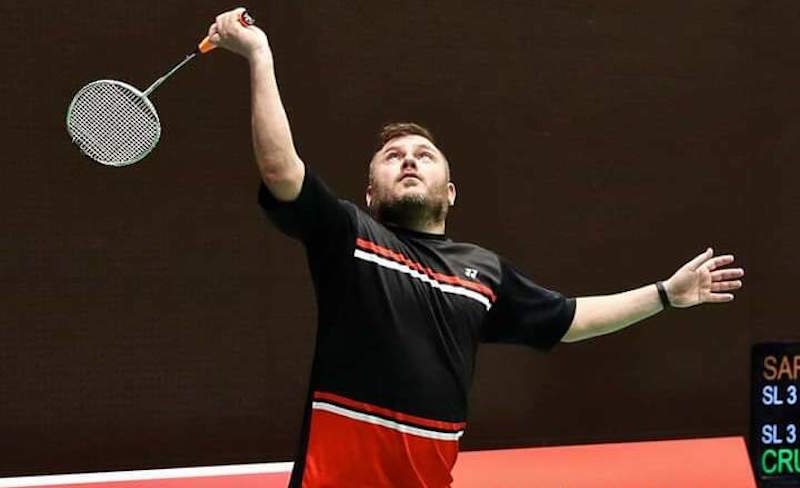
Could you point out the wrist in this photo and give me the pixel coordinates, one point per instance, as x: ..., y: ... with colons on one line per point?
x: 663, y: 294
x: 260, y: 56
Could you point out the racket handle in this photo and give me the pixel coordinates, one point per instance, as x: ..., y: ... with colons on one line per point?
x: 206, y: 45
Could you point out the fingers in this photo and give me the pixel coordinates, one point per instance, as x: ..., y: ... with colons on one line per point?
x: 229, y: 32
x: 700, y: 259
x: 718, y: 261
x: 236, y: 14
x: 226, y: 24
x: 231, y: 19
x: 727, y: 274
x: 726, y: 285
x: 220, y: 23
x: 719, y: 298
x: 213, y: 35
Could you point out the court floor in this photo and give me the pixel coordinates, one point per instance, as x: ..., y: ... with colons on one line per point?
x: 699, y: 463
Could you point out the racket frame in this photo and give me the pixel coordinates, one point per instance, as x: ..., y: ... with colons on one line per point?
x: 136, y: 92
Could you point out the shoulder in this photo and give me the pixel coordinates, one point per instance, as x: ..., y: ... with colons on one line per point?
x: 366, y: 225
x: 473, y: 252
x: 470, y: 262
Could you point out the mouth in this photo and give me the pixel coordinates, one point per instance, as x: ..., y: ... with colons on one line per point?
x: 410, y: 176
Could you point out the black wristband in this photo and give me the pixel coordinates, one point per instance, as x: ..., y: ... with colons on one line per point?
x: 662, y: 293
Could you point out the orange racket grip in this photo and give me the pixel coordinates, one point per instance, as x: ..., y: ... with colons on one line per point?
x: 206, y: 45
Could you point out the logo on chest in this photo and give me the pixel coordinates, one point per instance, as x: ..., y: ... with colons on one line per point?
x: 389, y: 259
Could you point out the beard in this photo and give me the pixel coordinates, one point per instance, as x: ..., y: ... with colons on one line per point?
x: 411, y: 211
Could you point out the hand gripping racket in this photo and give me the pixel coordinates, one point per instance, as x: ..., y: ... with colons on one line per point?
x: 114, y: 123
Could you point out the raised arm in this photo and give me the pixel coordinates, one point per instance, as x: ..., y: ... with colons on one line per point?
x: 698, y: 281
x: 281, y: 168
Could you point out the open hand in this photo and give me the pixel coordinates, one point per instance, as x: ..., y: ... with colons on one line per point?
x: 700, y: 281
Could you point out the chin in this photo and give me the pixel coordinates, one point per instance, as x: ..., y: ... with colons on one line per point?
x: 415, y: 197
x: 417, y: 190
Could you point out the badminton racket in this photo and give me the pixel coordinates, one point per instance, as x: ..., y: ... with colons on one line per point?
x: 114, y: 123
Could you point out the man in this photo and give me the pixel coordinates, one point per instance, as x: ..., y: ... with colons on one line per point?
x: 402, y: 308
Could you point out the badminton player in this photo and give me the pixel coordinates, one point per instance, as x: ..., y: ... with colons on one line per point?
x: 402, y: 308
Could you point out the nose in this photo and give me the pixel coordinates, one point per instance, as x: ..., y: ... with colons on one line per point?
x: 409, y: 162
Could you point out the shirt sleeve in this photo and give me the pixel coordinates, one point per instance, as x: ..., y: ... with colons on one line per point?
x: 526, y: 313
x: 315, y: 216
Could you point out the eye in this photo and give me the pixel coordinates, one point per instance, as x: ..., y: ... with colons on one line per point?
x: 392, y: 155
x: 426, y: 155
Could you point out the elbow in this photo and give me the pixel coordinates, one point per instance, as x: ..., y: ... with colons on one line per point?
x: 272, y: 178
x: 284, y: 181
x: 276, y: 171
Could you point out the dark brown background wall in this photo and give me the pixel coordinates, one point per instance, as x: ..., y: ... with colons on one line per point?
x: 151, y: 317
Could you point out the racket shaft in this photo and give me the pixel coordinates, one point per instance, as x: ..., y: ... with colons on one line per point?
x: 205, y: 46
x: 169, y: 73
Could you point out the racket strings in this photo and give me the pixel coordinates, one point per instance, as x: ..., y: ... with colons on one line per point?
x: 113, y: 124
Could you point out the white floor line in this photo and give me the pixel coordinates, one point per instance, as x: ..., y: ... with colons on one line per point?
x: 146, y: 474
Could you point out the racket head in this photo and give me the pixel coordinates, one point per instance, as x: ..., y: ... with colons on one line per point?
x: 113, y: 123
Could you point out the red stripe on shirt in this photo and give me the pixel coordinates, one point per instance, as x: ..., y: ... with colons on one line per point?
x: 442, y: 278
x: 412, y: 420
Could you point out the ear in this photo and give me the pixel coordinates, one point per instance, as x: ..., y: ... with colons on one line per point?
x: 368, y: 196
x: 451, y: 193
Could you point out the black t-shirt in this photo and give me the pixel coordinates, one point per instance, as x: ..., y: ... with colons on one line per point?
x: 401, y: 314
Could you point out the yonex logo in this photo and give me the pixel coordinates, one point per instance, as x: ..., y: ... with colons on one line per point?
x: 471, y: 273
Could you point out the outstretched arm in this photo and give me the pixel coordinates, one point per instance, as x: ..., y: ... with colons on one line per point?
x: 698, y: 281
x: 280, y: 166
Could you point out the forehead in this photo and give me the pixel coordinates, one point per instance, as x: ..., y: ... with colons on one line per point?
x: 408, y: 142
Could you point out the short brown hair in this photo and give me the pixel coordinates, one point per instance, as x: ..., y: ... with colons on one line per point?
x: 400, y: 129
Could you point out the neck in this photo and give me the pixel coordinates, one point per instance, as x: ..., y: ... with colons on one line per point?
x: 413, y: 217
x: 427, y: 228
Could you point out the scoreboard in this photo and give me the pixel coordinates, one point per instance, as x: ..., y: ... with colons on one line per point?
x: 775, y: 414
